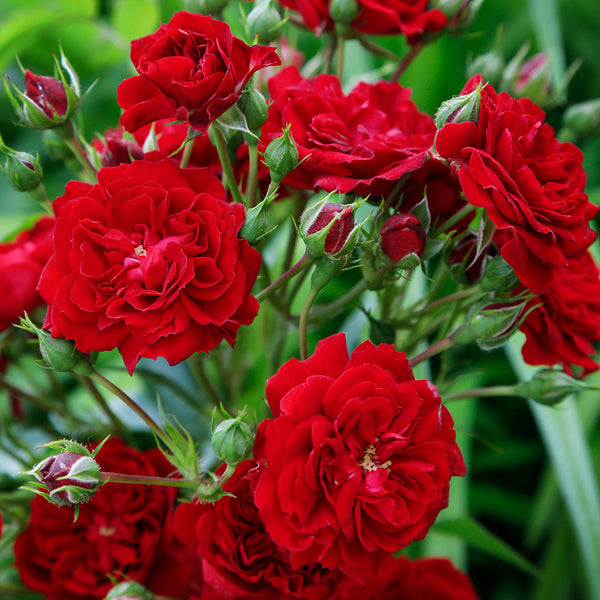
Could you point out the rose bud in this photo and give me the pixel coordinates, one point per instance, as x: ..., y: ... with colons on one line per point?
x: 328, y: 229
x: 549, y: 387
x: 254, y: 108
x: 23, y: 170
x: 580, y: 120
x: 343, y: 12
x: 256, y: 224
x: 263, y: 23
x: 460, y: 109
x: 401, y: 235
x: 69, y: 478
x: 281, y: 156
x: 129, y: 590
x: 47, y: 102
x: 232, y: 440
x: 460, y: 13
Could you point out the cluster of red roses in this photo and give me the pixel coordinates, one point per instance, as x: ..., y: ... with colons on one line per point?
x: 356, y: 462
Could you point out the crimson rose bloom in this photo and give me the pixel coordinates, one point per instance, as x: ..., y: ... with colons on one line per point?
x: 530, y: 185
x: 191, y: 69
x: 358, y: 457
x: 124, y: 531
x: 427, y: 579
x: 148, y: 260
x: 379, y: 17
x: 239, y: 558
x: 362, y: 143
x: 21, y: 264
x: 563, y: 328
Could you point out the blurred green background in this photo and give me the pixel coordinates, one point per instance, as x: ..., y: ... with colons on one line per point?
x: 511, y: 490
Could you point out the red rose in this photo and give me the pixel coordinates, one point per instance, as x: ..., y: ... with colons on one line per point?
x: 124, y: 531
x: 239, y: 558
x: 148, y: 260
x: 401, y: 235
x: 358, y: 457
x: 530, y: 185
x: 379, y: 17
x: 191, y: 69
x: 362, y: 143
x: 21, y: 263
x: 427, y: 579
x: 113, y: 149
x: 567, y: 322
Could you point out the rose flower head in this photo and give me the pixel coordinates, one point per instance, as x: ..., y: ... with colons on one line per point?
x: 191, y: 69
x: 401, y: 235
x: 148, y: 261
x: 357, y: 458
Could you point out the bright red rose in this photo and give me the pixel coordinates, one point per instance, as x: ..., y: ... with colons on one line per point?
x: 21, y: 264
x: 362, y: 143
x: 191, y: 69
x: 563, y: 329
x: 427, y: 579
x: 530, y: 185
x: 401, y: 235
x: 124, y: 531
x: 148, y: 261
x: 113, y: 149
x: 239, y: 558
x: 357, y: 459
x: 379, y: 17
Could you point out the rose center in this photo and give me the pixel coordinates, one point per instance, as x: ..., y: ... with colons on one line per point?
x: 370, y: 460
x: 106, y: 531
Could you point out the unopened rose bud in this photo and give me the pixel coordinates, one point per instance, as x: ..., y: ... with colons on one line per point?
x: 401, y: 235
x: 343, y: 12
x: 328, y: 229
x: 499, y: 276
x: 254, y: 108
x: 264, y: 22
x: 23, y: 170
x: 256, y: 224
x: 281, y: 156
x: 550, y: 387
x: 534, y: 79
x: 464, y: 267
x: 47, y: 102
x: 582, y: 119
x: 129, y: 590
x: 57, y: 353
x: 460, y: 13
x: 491, y: 65
x: 232, y: 439
x: 460, y: 108
x: 490, y: 325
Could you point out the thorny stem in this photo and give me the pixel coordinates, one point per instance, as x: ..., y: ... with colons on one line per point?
x: 291, y: 272
x: 407, y: 60
x: 434, y: 349
x: 91, y: 386
x: 146, y: 480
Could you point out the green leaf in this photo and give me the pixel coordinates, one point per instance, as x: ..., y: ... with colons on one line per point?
x: 479, y: 537
x: 135, y: 18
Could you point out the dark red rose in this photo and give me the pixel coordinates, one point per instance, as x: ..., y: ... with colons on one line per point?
x: 239, y: 558
x: 427, y: 579
x: 113, y: 149
x: 357, y: 459
x: 562, y: 330
x: 21, y: 264
x: 401, y: 235
x: 362, y: 143
x: 48, y: 93
x: 125, y: 531
x: 191, y: 69
x: 435, y: 181
x: 379, y: 17
x: 343, y: 225
x: 148, y: 261
x: 530, y: 185
x: 170, y: 137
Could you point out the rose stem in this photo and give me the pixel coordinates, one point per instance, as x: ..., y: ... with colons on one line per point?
x: 187, y: 152
x: 291, y: 272
x: 252, y: 174
x: 454, y: 219
x: 308, y: 302
x: 405, y: 62
x: 339, y: 69
x: 484, y: 392
x: 132, y: 404
x: 434, y: 349
x: 146, y: 480
x: 337, y: 305
x: 226, y: 164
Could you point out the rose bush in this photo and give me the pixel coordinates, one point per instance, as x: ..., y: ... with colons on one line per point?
x: 148, y: 261
x: 362, y: 143
x: 530, y: 185
x: 21, y: 264
x: 357, y: 458
x: 191, y: 69
x: 124, y: 531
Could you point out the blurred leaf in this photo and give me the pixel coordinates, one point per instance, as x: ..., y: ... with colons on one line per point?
x: 135, y: 18
x: 479, y: 537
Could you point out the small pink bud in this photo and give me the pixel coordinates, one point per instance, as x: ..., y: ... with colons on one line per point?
x: 48, y: 93
x: 401, y: 235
